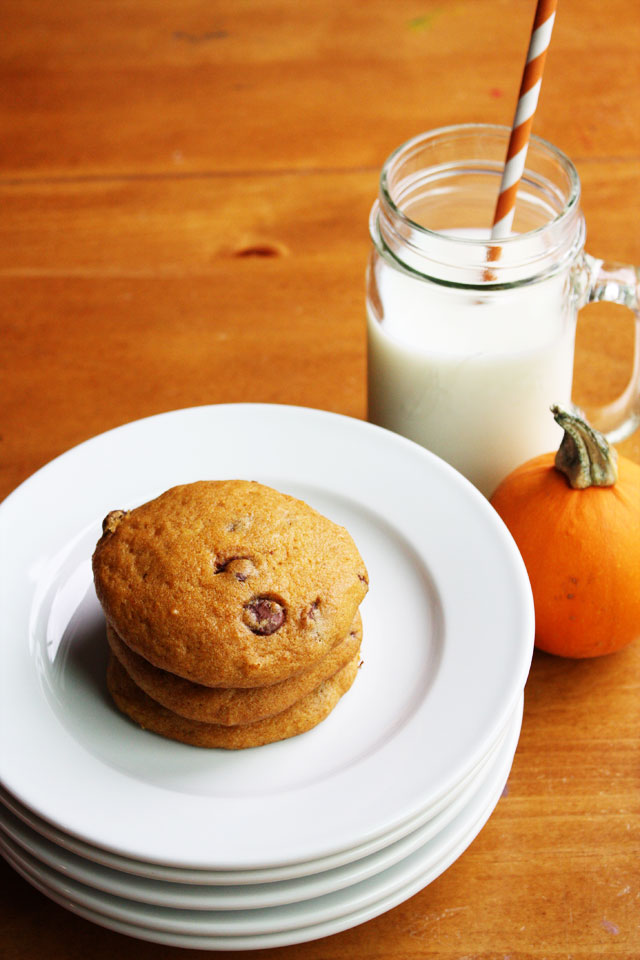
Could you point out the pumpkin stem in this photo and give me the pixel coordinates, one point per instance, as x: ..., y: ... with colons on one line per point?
x: 584, y: 456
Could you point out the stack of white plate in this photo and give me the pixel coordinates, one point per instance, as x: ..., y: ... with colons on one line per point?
x: 295, y: 840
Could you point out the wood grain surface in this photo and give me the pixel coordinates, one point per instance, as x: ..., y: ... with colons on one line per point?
x: 185, y: 188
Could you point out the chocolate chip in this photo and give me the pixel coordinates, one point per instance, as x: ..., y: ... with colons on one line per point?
x: 113, y: 520
x: 240, y: 567
x: 264, y: 616
x: 310, y: 615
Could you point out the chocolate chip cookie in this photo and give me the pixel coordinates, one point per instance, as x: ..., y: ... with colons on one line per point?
x: 231, y: 706
x: 298, y: 718
x: 228, y: 583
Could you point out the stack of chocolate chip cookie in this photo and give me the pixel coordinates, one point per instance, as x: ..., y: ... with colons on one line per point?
x: 232, y: 613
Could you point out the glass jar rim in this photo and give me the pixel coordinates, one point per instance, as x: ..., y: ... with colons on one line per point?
x: 450, y: 253
x: 439, y: 133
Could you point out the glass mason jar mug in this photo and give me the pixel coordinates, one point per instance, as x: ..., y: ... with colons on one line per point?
x: 470, y: 341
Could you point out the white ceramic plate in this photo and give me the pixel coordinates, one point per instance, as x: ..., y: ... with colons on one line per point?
x: 448, y: 641
x: 249, y: 897
x: 276, y: 874
x: 293, y: 923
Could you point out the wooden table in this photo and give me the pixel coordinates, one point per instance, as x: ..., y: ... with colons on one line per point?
x: 185, y: 190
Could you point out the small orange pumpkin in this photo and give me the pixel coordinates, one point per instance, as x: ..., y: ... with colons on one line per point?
x: 575, y: 517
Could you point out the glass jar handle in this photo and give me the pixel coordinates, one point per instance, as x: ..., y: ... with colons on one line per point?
x: 616, y: 283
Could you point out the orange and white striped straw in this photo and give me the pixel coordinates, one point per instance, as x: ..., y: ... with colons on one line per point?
x: 523, y: 120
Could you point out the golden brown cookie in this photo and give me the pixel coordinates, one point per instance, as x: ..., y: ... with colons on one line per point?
x: 231, y: 706
x: 298, y: 718
x: 228, y: 583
